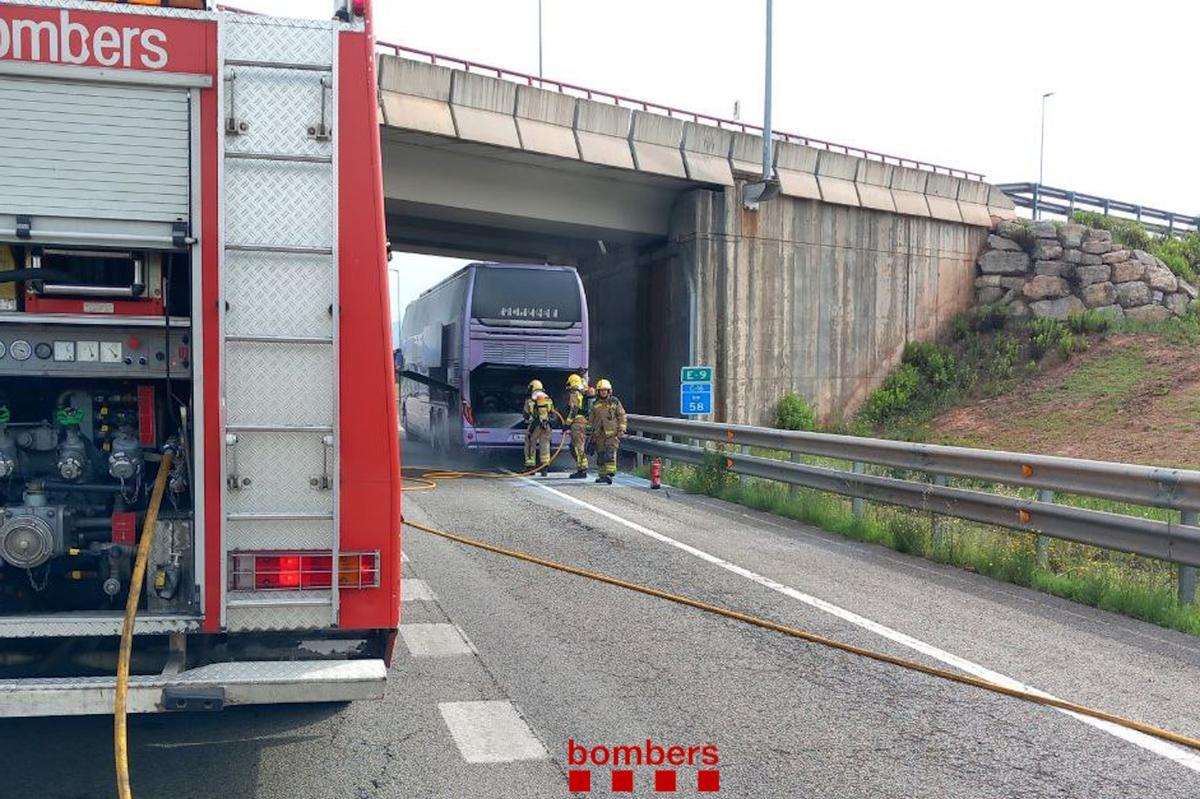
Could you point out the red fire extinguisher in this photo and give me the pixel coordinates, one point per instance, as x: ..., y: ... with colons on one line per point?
x: 656, y: 473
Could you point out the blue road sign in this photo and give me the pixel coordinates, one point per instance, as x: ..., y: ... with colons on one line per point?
x: 695, y: 398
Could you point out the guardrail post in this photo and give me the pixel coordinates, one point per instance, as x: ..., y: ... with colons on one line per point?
x: 667, y: 461
x: 858, y: 504
x: 641, y: 459
x: 1187, y: 574
x: 937, y: 525
x: 745, y: 450
x: 1043, y: 541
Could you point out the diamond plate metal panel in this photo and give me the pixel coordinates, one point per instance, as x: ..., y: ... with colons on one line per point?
x: 278, y: 534
x: 280, y: 467
x: 280, y: 203
x: 284, y: 41
x: 72, y: 625
x: 278, y: 106
x: 276, y: 294
x: 279, y: 384
x: 282, y: 611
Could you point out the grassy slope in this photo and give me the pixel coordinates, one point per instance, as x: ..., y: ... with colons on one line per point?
x: 1130, y: 396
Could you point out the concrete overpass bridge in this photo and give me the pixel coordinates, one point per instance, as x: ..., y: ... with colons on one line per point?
x: 816, y: 291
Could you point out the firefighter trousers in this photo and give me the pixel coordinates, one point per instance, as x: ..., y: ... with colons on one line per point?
x: 606, y: 453
x: 537, y: 446
x: 579, y: 442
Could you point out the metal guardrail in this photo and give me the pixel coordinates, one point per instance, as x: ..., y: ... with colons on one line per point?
x: 665, y: 110
x: 1063, y: 202
x: 1177, y: 489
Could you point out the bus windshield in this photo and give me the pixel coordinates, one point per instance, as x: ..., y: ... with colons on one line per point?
x: 526, y: 298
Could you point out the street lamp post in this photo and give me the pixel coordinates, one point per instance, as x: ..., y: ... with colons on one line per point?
x: 1042, y: 148
x: 539, y: 38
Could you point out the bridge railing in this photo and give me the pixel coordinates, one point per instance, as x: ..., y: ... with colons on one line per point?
x: 1178, y: 542
x: 1041, y: 199
x: 622, y: 101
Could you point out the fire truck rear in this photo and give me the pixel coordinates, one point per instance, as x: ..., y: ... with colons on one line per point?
x: 192, y: 260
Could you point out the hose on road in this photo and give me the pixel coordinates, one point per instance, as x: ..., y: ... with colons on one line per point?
x: 428, y: 477
x: 121, y: 694
x: 766, y: 624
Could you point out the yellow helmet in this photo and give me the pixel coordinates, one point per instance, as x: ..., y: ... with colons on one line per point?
x: 603, y: 385
x: 574, y: 382
x: 535, y: 385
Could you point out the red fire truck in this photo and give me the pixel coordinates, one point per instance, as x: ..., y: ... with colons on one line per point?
x: 192, y: 260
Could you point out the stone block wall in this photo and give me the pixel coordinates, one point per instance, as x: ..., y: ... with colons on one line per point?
x: 1050, y: 270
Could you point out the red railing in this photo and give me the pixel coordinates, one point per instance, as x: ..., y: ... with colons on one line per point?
x: 665, y: 110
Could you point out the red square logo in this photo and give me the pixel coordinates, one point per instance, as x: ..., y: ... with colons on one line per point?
x: 622, y: 781
x: 664, y: 781
x: 579, y: 780
x: 708, y: 781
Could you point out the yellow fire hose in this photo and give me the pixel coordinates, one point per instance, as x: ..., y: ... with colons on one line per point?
x: 121, y: 695
x: 429, y: 477
x: 766, y: 624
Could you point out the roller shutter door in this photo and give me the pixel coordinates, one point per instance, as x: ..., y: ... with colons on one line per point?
x: 93, y: 159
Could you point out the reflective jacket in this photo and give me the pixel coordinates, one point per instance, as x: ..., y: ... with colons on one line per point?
x: 607, y: 417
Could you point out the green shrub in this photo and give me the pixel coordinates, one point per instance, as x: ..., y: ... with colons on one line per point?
x: 933, y: 361
x: 981, y: 319
x: 1090, y: 321
x: 794, y: 413
x: 895, y: 397
x: 713, y: 476
x: 1046, y: 335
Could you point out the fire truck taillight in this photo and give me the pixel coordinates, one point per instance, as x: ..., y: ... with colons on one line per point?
x: 296, y: 571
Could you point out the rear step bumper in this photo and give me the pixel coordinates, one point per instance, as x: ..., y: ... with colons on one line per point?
x: 210, y: 687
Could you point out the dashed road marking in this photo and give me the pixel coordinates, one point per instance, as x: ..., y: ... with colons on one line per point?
x: 1158, y: 746
x: 491, y: 732
x: 414, y: 590
x: 435, y: 640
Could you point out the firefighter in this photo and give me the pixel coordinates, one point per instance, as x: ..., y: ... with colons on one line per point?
x: 579, y: 403
x: 527, y: 414
x: 607, y: 421
x: 538, y: 432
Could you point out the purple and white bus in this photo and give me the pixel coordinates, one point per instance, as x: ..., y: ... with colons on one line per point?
x: 471, y: 344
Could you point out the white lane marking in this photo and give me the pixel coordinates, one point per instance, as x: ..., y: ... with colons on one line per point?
x: 1158, y: 746
x: 403, y: 557
x: 491, y: 732
x: 414, y: 590
x: 435, y: 640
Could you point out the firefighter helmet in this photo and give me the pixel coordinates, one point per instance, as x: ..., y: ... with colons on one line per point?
x: 574, y: 382
x: 535, y: 385
x: 603, y: 385
x: 538, y: 396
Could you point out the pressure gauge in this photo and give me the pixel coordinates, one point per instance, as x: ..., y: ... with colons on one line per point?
x: 64, y: 350
x: 87, y: 351
x: 3, y: 349
x: 110, y: 352
x: 20, y: 350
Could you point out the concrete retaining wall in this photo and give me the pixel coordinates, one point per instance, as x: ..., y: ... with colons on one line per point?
x: 814, y: 297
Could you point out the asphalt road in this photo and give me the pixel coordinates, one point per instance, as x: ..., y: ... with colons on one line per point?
x: 502, y: 663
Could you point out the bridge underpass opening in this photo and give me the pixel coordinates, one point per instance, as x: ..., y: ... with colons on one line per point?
x: 636, y: 293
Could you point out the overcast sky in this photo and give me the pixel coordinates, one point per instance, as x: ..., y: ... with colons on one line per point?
x: 952, y: 82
